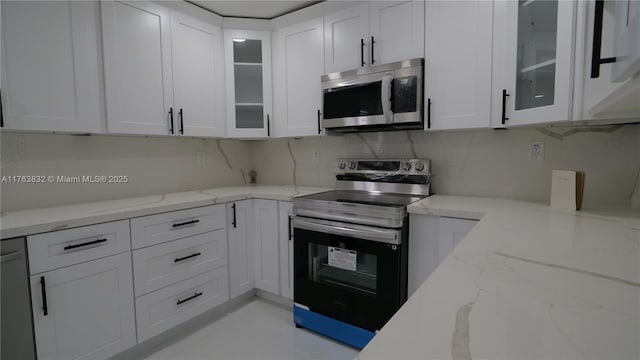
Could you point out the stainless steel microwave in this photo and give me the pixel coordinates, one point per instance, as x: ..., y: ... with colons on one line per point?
x: 378, y: 98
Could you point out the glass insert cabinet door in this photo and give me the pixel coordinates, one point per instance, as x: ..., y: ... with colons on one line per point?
x: 248, y: 83
x: 539, y: 61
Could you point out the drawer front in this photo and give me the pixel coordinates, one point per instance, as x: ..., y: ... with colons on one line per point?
x: 161, y: 265
x: 160, y: 228
x: 163, y: 309
x: 68, y: 247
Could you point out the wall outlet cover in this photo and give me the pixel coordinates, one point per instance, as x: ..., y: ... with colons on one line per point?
x: 536, y: 151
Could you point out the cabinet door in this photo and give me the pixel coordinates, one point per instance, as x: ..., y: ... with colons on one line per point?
x: 265, y: 224
x: 346, y: 35
x: 298, y: 66
x: 137, y: 67
x: 241, y: 247
x: 198, y: 74
x: 627, y: 40
x: 397, y: 28
x: 89, y: 310
x: 458, y: 72
x: 451, y: 232
x: 51, y: 79
x: 248, y: 65
x: 285, y: 209
x: 539, y: 60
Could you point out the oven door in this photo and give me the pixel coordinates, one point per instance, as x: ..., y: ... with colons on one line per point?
x: 357, y: 101
x: 352, y: 273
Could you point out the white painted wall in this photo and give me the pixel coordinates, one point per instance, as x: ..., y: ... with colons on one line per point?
x: 477, y: 163
x: 154, y: 166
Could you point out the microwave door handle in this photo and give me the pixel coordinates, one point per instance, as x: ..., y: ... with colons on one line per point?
x: 386, y: 98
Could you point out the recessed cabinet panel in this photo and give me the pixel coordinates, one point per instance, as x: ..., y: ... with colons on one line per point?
x: 51, y: 79
x: 197, y: 74
x: 346, y: 40
x: 241, y: 247
x: 137, y: 65
x: 265, y: 215
x: 627, y: 40
x: 397, y: 27
x: 248, y: 65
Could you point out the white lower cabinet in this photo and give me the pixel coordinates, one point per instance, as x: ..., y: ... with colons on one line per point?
x: 431, y: 239
x: 84, y: 311
x: 170, y: 306
x: 265, y: 216
x: 241, y: 263
x: 285, y: 209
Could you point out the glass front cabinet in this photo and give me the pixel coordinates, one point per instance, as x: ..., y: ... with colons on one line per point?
x: 248, y: 83
x: 535, y: 42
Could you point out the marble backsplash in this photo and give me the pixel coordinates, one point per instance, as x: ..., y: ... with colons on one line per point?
x: 491, y: 163
x: 154, y: 165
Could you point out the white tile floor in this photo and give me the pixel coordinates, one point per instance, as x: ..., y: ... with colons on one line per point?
x: 258, y: 330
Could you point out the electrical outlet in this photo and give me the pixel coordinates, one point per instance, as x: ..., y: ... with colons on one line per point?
x: 536, y: 151
x: 200, y: 158
x: 316, y: 157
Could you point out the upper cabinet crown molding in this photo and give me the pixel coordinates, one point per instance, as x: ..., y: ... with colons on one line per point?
x: 51, y: 66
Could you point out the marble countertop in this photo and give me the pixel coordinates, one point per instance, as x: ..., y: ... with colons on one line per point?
x: 27, y: 222
x: 527, y: 282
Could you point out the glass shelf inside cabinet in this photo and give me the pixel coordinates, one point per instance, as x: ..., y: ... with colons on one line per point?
x: 536, y: 53
x: 247, y: 57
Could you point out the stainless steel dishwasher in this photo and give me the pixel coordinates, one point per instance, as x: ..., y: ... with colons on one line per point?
x: 17, y: 340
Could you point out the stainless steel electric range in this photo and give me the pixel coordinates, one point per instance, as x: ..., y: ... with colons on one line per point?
x: 351, y: 246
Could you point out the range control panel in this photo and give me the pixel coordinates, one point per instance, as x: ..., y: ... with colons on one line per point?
x: 384, y: 166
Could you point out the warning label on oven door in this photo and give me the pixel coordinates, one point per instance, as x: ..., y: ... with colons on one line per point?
x: 343, y: 258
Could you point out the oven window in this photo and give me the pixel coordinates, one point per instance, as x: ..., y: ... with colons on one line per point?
x: 343, y: 268
x: 353, y: 101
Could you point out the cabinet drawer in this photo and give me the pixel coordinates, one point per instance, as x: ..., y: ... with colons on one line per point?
x: 156, y: 229
x: 68, y: 247
x: 163, y: 309
x: 161, y: 265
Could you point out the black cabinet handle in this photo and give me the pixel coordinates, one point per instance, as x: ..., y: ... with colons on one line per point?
x: 187, y: 257
x: 69, y: 247
x: 1, y: 112
x: 361, y: 52
x: 290, y: 234
x: 185, y: 223
x: 45, y: 308
x: 319, y: 129
x: 596, y: 61
x: 268, y: 126
x: 171, y: 117
x: 189, y: 298
x: 429, y: 113
x: 504, y: 106
x: 234, y: 223
x: 373, y: 60
x: 181, y: 116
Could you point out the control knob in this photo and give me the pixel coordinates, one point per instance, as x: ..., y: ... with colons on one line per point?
x: 341, y: 165
x: 419, y: 166
x: 352, y: 165
x: 406, y: 166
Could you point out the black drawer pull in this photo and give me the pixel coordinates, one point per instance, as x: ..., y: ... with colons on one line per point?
x: 171, y: 115
x: 45, y: 309
x: 319, y: 128
x: 362, y: 63
x: 290, y: 234
x: 69, y: 247
x: 234, y: 222
x: 373, y: 61
x: 186, y: 223
x: 187, y: 257
x: 189, y: 298
x: 181, y: 116
x: 504, y: 106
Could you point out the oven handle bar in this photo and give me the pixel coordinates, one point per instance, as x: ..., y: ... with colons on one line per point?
x: 387, y: 236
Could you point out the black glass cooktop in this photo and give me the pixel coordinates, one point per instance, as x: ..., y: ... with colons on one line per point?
x: 364, y: 197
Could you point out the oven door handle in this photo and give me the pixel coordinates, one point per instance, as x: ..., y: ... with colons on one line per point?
x: 387, y: 236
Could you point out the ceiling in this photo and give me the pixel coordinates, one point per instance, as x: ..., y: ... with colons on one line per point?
x: 262, y: 9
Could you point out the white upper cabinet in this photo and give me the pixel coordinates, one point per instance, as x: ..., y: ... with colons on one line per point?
x: 458, y: 38
x: 51, y: 75
x: 137, y: 66
x: 397, y: 31
x: 152, y: 54
x: 346, y: 39
x: 535, y: 84
x: 197, y: 77
x: 248, y: 83
x: 298, y: 65
x: 626, y: 40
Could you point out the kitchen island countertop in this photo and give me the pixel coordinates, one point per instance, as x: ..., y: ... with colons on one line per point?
x: 527, y: 281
